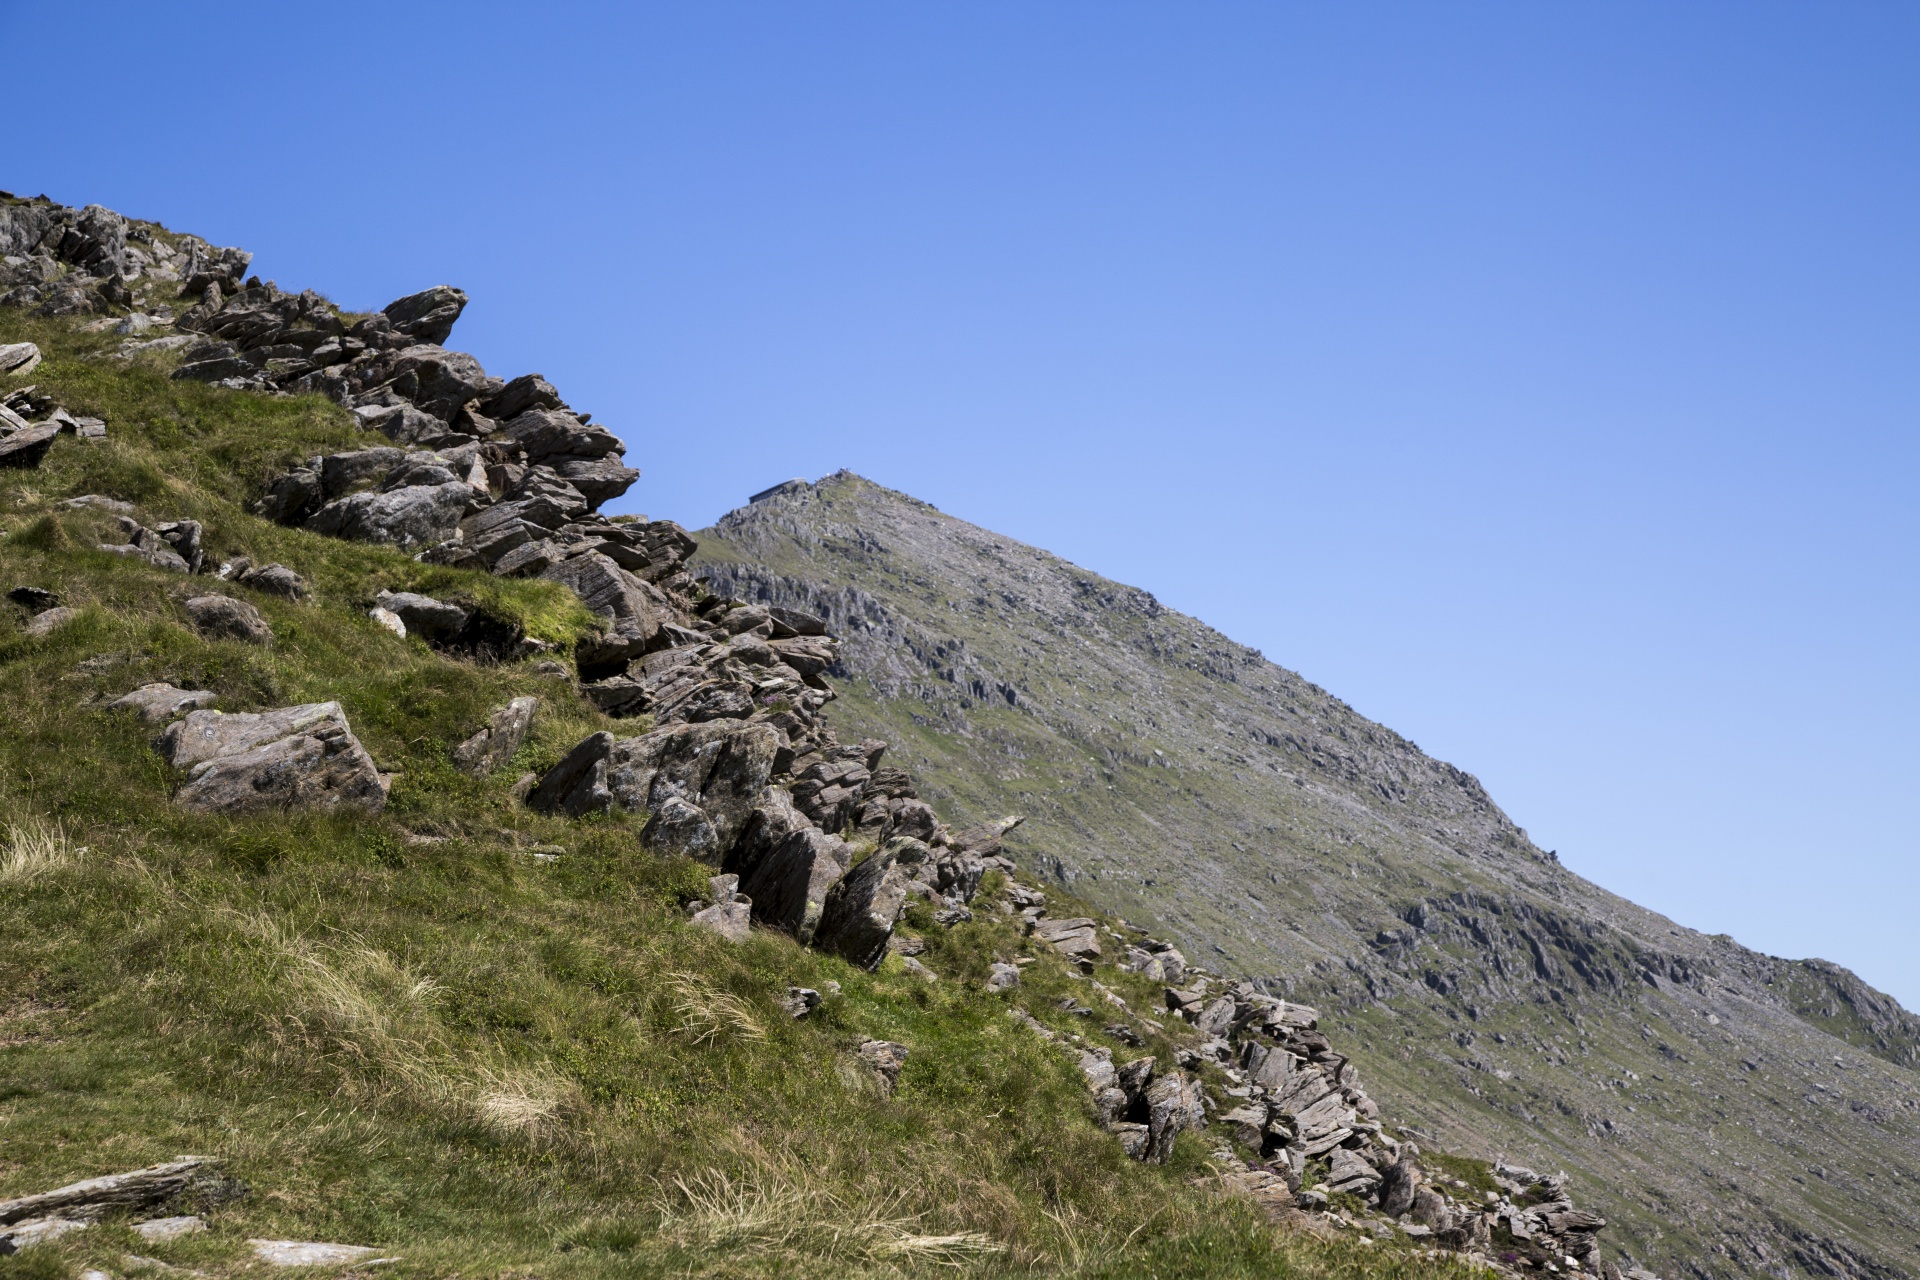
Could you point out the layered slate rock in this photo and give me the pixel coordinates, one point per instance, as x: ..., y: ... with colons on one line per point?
x: 302, y: 757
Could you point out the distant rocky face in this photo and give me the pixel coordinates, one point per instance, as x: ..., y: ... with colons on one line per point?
x: 1731, y: 1113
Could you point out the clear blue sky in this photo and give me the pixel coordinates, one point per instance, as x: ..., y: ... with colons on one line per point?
x: 1541, y: 378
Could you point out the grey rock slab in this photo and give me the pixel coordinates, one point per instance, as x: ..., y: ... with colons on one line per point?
x: 161, y: 702
x: 91, y: 1197
x: 160, y: 1230
x: 46, y: 623
x: 633, y: 610
x: 224, y: 618
x: 790, y: 884
x: 495, y: 744
x: 99, y: 502
x: 309, y: 1253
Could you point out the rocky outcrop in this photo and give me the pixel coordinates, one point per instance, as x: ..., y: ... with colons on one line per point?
x: 303, y: 757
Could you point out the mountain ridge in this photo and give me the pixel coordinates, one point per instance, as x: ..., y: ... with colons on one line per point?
x: 1183, y: 779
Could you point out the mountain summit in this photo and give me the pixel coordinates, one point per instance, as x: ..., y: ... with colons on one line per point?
x: 1733, y: 1113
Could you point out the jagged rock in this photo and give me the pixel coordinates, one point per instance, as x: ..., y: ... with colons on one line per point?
x: 885, y: 1058
x: 17, y: 359
x: 800, y: 1001
x: 161, y: 1230
x: 302, y: 757
x: 1163, y: 965
x: 427, y: 316
x: 790, y: 884
x: 1398, y: 1186
x: 1174, y: 1106
x: 424, y: 616
x: 1268, y: 1066
x: 1348, y: 1171
x: 1004, y: 977
x: 160, y: 702
x: 862, y: 908
x: 48, y: 621
x: 224, y: 618
x: 1217, y: 1018
x: 554, y: 434
x: 1429, y: 1209
x: 495, y: 744
x: 528, y: 391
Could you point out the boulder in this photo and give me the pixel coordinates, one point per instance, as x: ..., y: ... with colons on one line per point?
x: 1349, y: 1171
x: 17, y: 359
x: 224, y: 618
x: 161, y: 702
x: 790, y: 884
x: 274, y: 579
x: 1398, y: 1187
x: 495, y: 744
x: 1003, y: 977
x: 578, y: 784
x: 439, y: 381
x: 48, y: 621
x: 302, y: 757
x: 857, y: 919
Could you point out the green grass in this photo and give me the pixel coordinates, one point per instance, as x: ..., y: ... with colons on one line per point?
x: 407, y: 1032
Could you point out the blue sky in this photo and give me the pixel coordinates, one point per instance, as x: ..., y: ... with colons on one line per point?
x: 1539, y: 378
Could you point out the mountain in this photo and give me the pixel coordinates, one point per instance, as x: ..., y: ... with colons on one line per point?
x: 1732, y: 1113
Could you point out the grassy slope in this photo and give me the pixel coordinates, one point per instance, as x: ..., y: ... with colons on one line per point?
x: 410, y: 1032
x: 1140, y: 751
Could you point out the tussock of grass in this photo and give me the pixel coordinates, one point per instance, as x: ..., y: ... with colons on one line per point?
x: 34, y: 849
x: 774, y: 1213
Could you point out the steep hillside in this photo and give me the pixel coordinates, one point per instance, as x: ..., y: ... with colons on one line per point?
x: 324, y: 856
x: 1734, y: 1113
